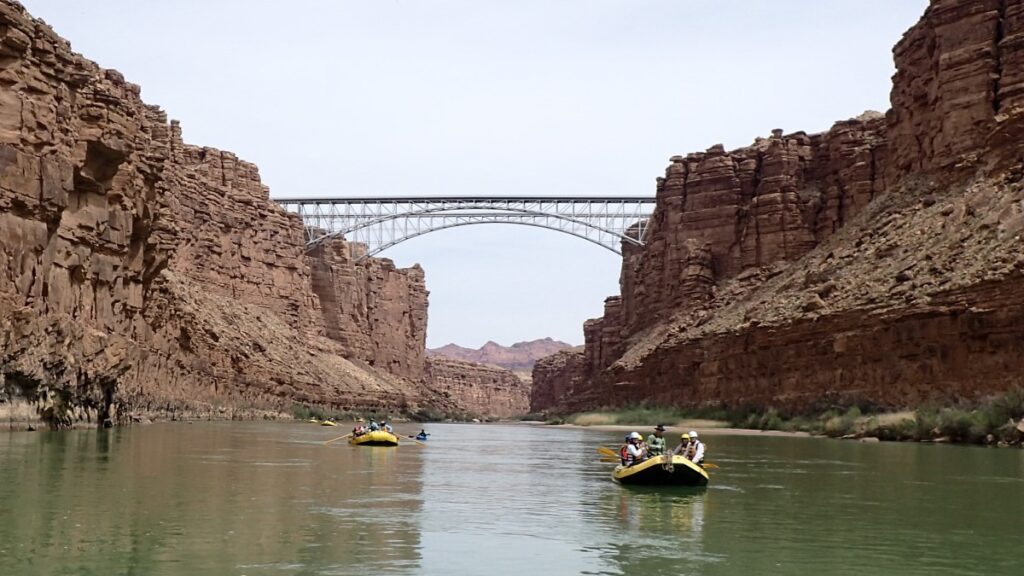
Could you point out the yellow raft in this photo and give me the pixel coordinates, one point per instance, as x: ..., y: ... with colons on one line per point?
x: 664, y: 470
x: 328, y: 423
x: 374, y: 438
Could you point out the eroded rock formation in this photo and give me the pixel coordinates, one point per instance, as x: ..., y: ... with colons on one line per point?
x: 139, y: 274
x: 880, y: 261
x: 719, y: 213
x: 960, y: 75
x: 477, y: 389
x: 558, y: 381
x: 376, y: 311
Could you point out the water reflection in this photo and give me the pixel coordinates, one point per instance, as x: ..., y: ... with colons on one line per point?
x: 206, y: 499
x: 262, y: 499
x: 643, y: 516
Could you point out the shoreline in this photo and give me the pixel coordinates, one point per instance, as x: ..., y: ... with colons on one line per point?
x: 703, y: 427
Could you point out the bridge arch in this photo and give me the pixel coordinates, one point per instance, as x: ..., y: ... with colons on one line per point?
x: 381, y: 223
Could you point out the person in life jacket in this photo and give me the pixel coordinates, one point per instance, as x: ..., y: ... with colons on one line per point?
x: 691, y: 447
x: 656, y: 442
x: 634, y: 451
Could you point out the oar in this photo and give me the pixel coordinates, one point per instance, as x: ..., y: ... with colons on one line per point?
x: 709, y: 465
x: 338, y: 438
x: 417, y: 441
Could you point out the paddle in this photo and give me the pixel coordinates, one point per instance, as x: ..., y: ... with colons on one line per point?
x: 417, y: 441
x: 338, y: 438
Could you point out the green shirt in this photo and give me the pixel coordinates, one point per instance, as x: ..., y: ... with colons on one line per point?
x: 655, y: 445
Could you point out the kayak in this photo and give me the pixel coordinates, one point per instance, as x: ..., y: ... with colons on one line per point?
x: 375, y: 438
x: 422, y: 437
x: 661, y: 471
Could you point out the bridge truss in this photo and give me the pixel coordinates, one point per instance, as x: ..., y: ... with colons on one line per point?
x: 381, y: 223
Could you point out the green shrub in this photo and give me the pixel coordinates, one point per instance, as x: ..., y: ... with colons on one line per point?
x: 926, y: 422
x: 839, y: 426
x: 1007, y: 407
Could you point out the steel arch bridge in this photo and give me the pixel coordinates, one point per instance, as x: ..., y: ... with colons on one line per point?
x: 381, y: 223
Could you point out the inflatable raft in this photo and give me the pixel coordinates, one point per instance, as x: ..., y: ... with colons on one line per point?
x: 665, y: 470
x: 374, y: 438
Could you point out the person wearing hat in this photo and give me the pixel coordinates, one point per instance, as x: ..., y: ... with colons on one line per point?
x: 694, y: 448
x: 656, y: 442
x: 634, y: 451
x: 684, y: 445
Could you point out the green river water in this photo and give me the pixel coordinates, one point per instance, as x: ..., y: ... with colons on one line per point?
x: 269, y: 498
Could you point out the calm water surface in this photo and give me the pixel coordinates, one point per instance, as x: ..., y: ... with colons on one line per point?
x: 270, y: 499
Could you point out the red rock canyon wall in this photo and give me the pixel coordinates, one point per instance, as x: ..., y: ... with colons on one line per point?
x: 879, y: 261
x: 141, y: 274
x: 479, y: 390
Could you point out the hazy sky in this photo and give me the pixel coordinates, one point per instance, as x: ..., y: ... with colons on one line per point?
x: 467, y: 97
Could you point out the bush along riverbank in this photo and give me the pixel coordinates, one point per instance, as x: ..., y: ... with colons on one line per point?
x: 428, y: 414
x: 995, y: 420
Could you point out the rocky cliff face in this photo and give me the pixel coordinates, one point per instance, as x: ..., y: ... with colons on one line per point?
x: 959, y: 81
x: 477, y: 389
x: 558, y: 380
x: 519, y: 356
x: 141, y: 274
x: 375, y: 310
x: 719, y: 213
x: 877, y: 262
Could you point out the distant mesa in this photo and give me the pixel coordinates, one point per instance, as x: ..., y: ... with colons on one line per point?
x: 520, y: 356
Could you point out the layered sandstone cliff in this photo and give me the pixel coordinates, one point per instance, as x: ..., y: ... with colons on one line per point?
x: 142, y: 274
x: 376, y: 311
x: 879, y: 262
x: 478, y: 389
x: 558, y: 380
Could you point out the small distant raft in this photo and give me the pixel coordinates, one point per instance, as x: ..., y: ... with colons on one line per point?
x: 665, y: 470
x: 374, y: 438
x: 327, y: 423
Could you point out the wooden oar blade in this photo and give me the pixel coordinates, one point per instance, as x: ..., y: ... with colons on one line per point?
x: 604, y: 451
x: 338, y: 438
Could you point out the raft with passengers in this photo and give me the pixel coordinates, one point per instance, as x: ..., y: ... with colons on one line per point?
x: 373, y: 434
x: 651, y: 464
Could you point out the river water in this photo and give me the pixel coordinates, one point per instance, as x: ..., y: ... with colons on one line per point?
x: 269, y: 498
